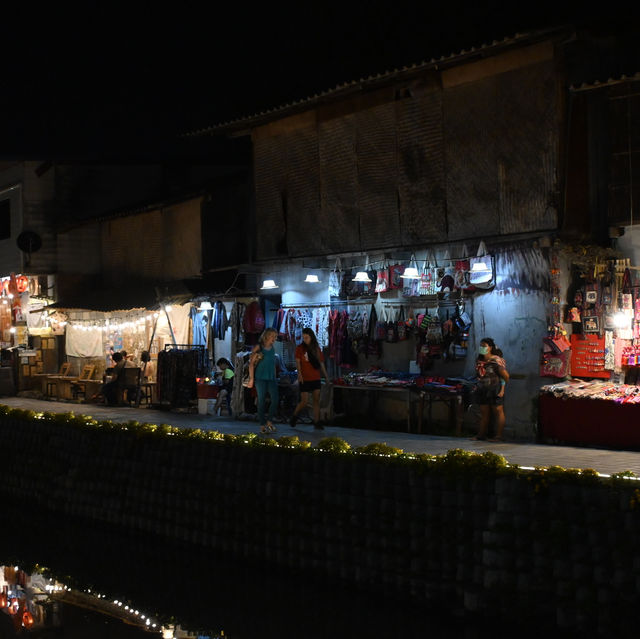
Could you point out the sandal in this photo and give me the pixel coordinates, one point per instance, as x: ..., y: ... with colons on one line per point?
x: 270, y: 427
x: 264, y: 430
x: 477, y: 438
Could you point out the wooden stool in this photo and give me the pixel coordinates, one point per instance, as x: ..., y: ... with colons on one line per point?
x: 52, y: 387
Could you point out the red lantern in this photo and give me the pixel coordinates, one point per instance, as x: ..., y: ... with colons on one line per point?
x: 4, y: 600
x: 27, y: 619
x: 14, y: 606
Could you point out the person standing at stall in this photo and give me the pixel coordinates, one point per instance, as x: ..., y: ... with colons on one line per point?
x: 489, y: 393
x: 310, y: 364
x: 262, y: 373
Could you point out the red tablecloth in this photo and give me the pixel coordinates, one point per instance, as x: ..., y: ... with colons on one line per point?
x: 589, y: 421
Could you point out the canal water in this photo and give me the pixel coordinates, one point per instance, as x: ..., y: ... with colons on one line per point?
x: 94, y: 582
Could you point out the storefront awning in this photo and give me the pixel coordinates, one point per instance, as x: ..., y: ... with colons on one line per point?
x: 109, y: 300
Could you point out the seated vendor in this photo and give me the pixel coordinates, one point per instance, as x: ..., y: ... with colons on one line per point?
x: 227, y: 375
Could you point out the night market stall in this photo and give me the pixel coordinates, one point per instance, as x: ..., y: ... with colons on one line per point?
x: 594, y: 355
x: 400, y: 330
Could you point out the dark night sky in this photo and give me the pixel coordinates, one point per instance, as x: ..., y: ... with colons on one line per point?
x: 119, y: 86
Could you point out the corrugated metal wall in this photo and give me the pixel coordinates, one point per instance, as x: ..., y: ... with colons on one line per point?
x: 623, y: 128
x: 339, y: 222
x: 161, y: 245
x: 475, y: 159
x: 421, y: 176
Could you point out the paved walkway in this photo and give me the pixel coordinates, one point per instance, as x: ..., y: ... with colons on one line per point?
x: 525, y: 454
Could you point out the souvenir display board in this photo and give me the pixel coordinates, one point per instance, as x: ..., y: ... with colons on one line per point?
x: 587, y: 356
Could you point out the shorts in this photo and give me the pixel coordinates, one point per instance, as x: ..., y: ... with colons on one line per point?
x: 308, y: 387
x: 487, y: 399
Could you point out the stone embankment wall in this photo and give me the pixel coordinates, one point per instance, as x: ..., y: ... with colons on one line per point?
x: 475, y: 536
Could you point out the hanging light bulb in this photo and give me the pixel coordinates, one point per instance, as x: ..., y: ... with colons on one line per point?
x: 480, y: 267
x: 268, y: 284
x: 411, y: 272
x: 312, y: 278
x: 363, y: 276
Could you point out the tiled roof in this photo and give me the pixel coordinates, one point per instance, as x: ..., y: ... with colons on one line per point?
x: 596, y: 84
x: 346, y: 88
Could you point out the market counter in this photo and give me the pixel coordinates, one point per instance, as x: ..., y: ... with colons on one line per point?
x: 424, y: 396
x: 589, y: 421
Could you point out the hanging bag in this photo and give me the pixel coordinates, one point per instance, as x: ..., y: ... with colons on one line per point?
x: 392, y: 331
x: 482, y: 278
x: 427, y: 284
x: 381, y: 326
x: 461, y: 271
x: 395, y: 281
x: 402, y: 326
x: 382, y: 279
x: 335, y: 280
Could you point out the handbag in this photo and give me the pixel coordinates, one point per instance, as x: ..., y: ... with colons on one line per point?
x: 382, y: 279
x: 335, y: 280
x: 484, y: 278
x: 395, y: 281
x: 555, y: 364
x: 401, y: 326
x: 427, y: 285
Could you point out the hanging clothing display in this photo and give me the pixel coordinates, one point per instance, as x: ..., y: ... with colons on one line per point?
x: 199, y: 326
x: 177, y: 372
x: 219, y: 321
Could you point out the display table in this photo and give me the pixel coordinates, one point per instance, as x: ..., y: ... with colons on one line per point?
x: 583, y: 420
x: 425, y: 396
x: 456, y: 408
x: 373, y: 393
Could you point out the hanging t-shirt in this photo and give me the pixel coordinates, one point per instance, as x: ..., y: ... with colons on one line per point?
x: 307, y: 370
x: 200, y: 325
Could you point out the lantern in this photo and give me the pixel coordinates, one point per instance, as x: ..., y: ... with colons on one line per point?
x: 27, y: 619
x: 4, y: 600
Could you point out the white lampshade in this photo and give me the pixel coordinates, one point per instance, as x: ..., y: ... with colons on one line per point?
x: 361, y: 276
x: 205, y: 306
x: 267, y: 284
x: 411, y: 273
x: 312, y: 278
x: 479, y: 267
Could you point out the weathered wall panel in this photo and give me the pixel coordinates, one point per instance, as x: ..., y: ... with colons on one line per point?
x: 526, y: 147
x: 161, y: 245
x: 303, y: 186
x: 421, y: 169
x: 501, y: 153
x: 377, y: 177
x: 339, y: 221
x: 470, y: 158
x: 270, y: 162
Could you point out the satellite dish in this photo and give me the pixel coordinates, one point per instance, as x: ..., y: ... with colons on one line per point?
x: 29, y: 242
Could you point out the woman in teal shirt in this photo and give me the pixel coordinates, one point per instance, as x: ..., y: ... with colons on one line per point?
x: 262, y: 372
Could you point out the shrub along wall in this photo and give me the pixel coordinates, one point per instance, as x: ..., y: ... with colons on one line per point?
x: 464, y: 529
